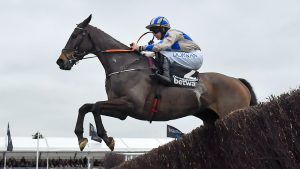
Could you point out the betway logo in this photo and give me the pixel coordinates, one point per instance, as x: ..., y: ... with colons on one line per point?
x: 185, y: 82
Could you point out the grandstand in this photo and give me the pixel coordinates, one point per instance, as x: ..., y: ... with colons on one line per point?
x: 67, y: 148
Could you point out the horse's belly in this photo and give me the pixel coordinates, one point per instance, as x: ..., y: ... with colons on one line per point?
x: 177, y: 102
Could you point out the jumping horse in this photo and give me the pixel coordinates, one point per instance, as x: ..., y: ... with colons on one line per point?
x: 131, y: 91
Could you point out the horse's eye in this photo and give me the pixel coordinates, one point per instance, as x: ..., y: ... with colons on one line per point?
x: 73, y: 36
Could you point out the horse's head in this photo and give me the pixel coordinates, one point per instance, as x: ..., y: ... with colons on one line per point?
x: 79, y: 44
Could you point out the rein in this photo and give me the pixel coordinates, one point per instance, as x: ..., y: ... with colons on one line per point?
x: 110, y: 51
x: 78, y: 52
x: 121, y: 50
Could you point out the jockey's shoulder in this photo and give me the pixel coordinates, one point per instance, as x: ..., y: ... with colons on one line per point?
x: 174, y: 32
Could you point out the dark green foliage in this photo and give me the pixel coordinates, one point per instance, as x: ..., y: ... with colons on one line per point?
x: 260, y: 137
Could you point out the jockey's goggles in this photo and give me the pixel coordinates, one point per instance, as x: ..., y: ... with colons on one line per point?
x: 155, y: 30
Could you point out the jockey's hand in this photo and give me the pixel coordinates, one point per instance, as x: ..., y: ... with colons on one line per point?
x: 134, y: 46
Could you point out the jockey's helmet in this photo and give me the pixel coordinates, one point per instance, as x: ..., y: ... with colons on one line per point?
x: 159, y: 21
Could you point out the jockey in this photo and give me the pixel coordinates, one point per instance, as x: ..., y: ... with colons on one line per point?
x: 174, y: 45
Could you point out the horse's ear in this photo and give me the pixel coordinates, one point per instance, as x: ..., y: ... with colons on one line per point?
x: 85, y: 22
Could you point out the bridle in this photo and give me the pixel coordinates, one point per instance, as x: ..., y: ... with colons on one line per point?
x: 76, y: 52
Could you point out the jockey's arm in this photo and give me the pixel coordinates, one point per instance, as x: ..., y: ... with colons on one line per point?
x: 166, y: 43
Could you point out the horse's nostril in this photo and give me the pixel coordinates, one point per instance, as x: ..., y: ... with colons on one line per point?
x: 60, y: 62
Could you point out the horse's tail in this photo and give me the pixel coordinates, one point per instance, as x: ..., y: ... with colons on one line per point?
x: 253, y: 96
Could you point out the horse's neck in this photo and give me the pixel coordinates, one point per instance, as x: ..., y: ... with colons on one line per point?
x: 112, y: 62
x: 103, y: 41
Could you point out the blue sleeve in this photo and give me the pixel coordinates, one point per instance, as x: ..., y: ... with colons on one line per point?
x: 149, y: 47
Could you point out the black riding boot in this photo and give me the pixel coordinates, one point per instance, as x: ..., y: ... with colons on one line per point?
x: 165, y: 76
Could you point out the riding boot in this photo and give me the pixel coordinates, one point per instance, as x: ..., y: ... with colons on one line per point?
x: 165, y: 76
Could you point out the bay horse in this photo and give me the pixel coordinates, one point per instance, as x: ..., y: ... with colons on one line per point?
x: 131, y: 91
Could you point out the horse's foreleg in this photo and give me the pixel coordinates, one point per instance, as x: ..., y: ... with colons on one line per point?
x: 117, y: 108
x: 79, y: 124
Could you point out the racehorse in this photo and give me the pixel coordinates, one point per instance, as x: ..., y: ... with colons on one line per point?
x: 131, y: 91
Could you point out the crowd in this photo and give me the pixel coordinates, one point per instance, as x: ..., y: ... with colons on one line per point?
x: 53, y: 163
x: 109, y: 161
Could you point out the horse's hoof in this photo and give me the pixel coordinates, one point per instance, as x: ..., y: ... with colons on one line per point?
x: 111, y: 143
x: 83, y: 143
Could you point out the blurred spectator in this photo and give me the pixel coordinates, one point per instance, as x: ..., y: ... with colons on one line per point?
x: 53, y: 163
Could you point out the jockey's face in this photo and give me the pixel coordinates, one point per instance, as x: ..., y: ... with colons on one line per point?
x: 158, y: 35
x: 157, y: 32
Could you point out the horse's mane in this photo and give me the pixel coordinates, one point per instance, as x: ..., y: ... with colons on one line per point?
x: 116, y: 43
x: 109, y: 42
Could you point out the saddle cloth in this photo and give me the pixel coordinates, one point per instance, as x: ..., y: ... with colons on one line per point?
x: 183, y: 77
x: 180, y: 76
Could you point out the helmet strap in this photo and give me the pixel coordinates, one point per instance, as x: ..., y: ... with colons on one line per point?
x: 163, y: 31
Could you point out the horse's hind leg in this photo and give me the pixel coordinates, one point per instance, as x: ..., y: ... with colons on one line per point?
x: 208, y: 116
x: 79, y: 124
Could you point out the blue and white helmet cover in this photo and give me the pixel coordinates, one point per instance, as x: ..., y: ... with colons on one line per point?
x: 159, y: 21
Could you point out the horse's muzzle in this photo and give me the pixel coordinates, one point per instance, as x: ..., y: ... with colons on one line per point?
x: 64, y: 65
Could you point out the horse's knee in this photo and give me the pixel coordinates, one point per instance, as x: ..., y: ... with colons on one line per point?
x: 96, y: 108
x: 85, y: 108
